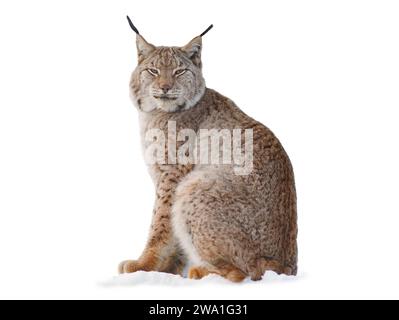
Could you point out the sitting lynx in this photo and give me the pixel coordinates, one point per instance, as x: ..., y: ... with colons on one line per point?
x: 233, y: 225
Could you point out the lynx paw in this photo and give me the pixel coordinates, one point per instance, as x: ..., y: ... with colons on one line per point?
x: 129, y: 266
x: 197, y: 273
x: 231, y: 274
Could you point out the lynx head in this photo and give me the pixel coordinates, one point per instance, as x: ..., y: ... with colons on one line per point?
x: 167, y: 78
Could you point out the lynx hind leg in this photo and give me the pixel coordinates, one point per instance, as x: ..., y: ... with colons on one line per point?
x: 209, y: 231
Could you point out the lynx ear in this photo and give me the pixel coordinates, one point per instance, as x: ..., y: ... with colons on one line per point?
x: 194, y: 47
x: 143, y: 47
x: 193, y: 50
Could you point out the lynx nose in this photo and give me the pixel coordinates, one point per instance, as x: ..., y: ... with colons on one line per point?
x: 165, y: 87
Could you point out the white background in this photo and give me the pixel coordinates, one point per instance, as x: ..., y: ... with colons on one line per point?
x: 75, y: 197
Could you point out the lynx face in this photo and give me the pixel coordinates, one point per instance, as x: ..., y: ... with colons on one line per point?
x: 167, y: 78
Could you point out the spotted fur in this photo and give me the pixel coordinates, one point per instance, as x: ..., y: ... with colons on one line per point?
x: 220, y: 222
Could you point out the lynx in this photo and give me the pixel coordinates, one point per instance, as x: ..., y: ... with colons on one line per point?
x: 206, y: 216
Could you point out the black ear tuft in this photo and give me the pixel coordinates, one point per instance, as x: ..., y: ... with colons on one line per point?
x: 132, y: 25
x: 207, y: 30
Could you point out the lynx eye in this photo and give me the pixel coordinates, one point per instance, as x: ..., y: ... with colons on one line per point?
x: 180, y: 72
x: 153, y: 72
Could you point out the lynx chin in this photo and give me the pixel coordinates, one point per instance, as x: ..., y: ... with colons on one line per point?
x: 208, y: 215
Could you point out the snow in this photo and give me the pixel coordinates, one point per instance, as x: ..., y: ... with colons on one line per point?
x: 166, y: 279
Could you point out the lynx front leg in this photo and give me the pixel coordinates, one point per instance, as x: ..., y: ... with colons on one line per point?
x: 161, y: 252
